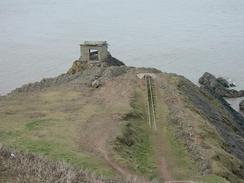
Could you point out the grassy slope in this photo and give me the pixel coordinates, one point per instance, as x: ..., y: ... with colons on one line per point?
x: 134, y: 144
x: 223, y: 160
x: 143, y: 149
x: 48, y: 123
x: 51, y: 123
x: 195, y: 133
x: 63, y: 123
x: 178, y: 159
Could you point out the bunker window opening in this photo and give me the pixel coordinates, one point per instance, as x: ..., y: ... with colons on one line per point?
x: 93, y: 54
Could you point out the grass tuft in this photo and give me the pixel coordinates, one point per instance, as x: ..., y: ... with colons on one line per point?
x: 36, y: 124
x: 134, y: 144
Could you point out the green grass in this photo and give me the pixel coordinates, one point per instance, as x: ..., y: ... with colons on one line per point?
x: 7, y: 135
x: 211, y: 179
x: 181, y: 164
x: 134, y: 144
x: 71, y: 156
x: 54, y: 135
x: 37, y: 124
x: 56, y: 151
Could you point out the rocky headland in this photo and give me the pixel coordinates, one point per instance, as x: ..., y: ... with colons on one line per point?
x: 94, y: 117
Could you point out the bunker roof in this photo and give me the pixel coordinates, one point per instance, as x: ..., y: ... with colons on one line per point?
x: 94, y: 43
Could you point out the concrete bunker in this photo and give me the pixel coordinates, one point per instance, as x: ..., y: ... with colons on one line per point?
x: 94, y: 51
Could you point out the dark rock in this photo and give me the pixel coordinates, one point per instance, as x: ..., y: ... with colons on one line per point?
x: 242, y: 105
x: 208, y: 80
x: 218, y: 86
x: 111, y: 61
x: 224, y: 82
x: 79, y: 66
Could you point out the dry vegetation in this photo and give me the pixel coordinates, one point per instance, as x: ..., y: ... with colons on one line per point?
x: 19, y: 167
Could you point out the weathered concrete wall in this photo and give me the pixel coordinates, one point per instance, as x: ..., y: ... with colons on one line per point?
x: 102, y: 52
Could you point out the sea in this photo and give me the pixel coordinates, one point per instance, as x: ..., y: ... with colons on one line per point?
x: 40, y: 38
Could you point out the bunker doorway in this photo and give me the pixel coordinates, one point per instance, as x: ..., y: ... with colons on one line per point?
x: 93, y: 55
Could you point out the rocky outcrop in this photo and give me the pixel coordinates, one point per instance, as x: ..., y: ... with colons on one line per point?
x: 242, y: 105
x: 111, y: 61
x: 79, y: 66
x: 80, y: 74
x: 219, y: 86
x: 223, y: 82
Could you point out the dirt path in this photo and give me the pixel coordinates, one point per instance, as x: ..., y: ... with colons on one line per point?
x: 157, y: 113
x: 160, y: 145
x: 164, y: 169
x: 104, y: 122
x: 123, y: 171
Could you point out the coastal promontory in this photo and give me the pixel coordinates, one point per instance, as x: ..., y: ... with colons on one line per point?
x: 109, y: 122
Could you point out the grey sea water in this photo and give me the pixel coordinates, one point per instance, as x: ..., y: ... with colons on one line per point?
x: 40, y: 38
